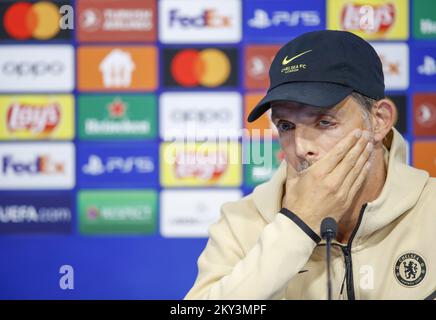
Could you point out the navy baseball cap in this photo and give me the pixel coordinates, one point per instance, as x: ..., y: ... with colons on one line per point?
x: 322, y: 68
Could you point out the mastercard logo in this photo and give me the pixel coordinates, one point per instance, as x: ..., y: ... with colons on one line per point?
x: 208, y: 67
x: 24, y: 20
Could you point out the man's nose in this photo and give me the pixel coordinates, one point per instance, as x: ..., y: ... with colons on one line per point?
x: 305, y: 145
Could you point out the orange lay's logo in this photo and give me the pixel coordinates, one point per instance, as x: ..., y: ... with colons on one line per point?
x: 200, y: 164
x: 36, y: 119
x: 207, y: 165
x: 117, y: 69
x: 369, y: 18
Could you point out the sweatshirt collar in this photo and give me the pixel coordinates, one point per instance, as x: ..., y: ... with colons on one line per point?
x: 400, y: 192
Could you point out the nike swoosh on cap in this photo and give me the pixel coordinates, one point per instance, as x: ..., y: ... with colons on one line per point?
x: 286, y: 60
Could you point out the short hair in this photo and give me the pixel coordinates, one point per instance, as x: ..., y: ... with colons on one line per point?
x: 363, y: 100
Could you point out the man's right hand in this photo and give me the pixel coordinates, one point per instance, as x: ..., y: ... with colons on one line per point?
x: 329, y: 186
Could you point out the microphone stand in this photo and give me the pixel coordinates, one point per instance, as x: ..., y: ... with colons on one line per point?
x: 329, y: 230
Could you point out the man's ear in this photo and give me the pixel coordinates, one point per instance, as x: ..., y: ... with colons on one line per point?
x: 384, y: 116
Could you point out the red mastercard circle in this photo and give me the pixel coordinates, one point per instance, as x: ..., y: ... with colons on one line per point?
x: 19, y: 20
x: 187, y: 67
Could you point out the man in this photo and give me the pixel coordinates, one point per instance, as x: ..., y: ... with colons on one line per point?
x: 343, y: 160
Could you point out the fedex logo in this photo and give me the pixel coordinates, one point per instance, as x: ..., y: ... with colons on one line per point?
x: 199, y: 21
x: 208, y: 18
x: 37, y: 166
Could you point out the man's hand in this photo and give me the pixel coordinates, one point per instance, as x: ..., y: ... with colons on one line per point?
x: 328, y: 187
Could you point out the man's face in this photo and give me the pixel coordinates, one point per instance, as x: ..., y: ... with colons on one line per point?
x: 307, y: 133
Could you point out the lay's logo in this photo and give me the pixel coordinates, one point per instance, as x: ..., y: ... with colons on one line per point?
x: 200, y: 164
x: 377, y: 19
x: 370, y: 19
x: 36, y: 117
x: 33, y: 118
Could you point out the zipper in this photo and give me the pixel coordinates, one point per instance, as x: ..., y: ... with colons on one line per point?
x: 348, y: 272
x: 346, y: 250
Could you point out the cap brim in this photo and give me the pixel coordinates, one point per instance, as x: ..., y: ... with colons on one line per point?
x: 317, y: 94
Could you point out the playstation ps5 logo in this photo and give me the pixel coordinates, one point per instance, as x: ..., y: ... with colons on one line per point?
x: 428, y: 67
x: 96, y: 166
x: 262, y: 19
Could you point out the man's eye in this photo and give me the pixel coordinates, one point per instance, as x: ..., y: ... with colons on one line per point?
x: 283, y: 126
x: 325, y: 123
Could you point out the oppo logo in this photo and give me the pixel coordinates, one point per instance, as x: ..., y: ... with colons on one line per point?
x: 36, y: 68
x: 210, y: 115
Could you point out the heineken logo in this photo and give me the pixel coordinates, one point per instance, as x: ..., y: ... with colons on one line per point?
x: 117, y: 109
x: 125, y: 116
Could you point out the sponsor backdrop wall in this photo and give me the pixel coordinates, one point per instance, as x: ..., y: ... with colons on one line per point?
x: 87, y: 118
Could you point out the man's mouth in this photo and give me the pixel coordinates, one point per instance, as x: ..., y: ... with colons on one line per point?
x: 303, y: 165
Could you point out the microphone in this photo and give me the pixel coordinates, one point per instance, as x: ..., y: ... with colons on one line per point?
x: 329, y: 230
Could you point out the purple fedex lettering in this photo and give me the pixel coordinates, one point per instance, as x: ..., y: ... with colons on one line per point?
x: 20, y: 168
x: 42, y: 164
x: 209, y: 18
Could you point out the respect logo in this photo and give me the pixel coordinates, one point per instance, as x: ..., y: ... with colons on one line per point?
x: 117, y: 211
